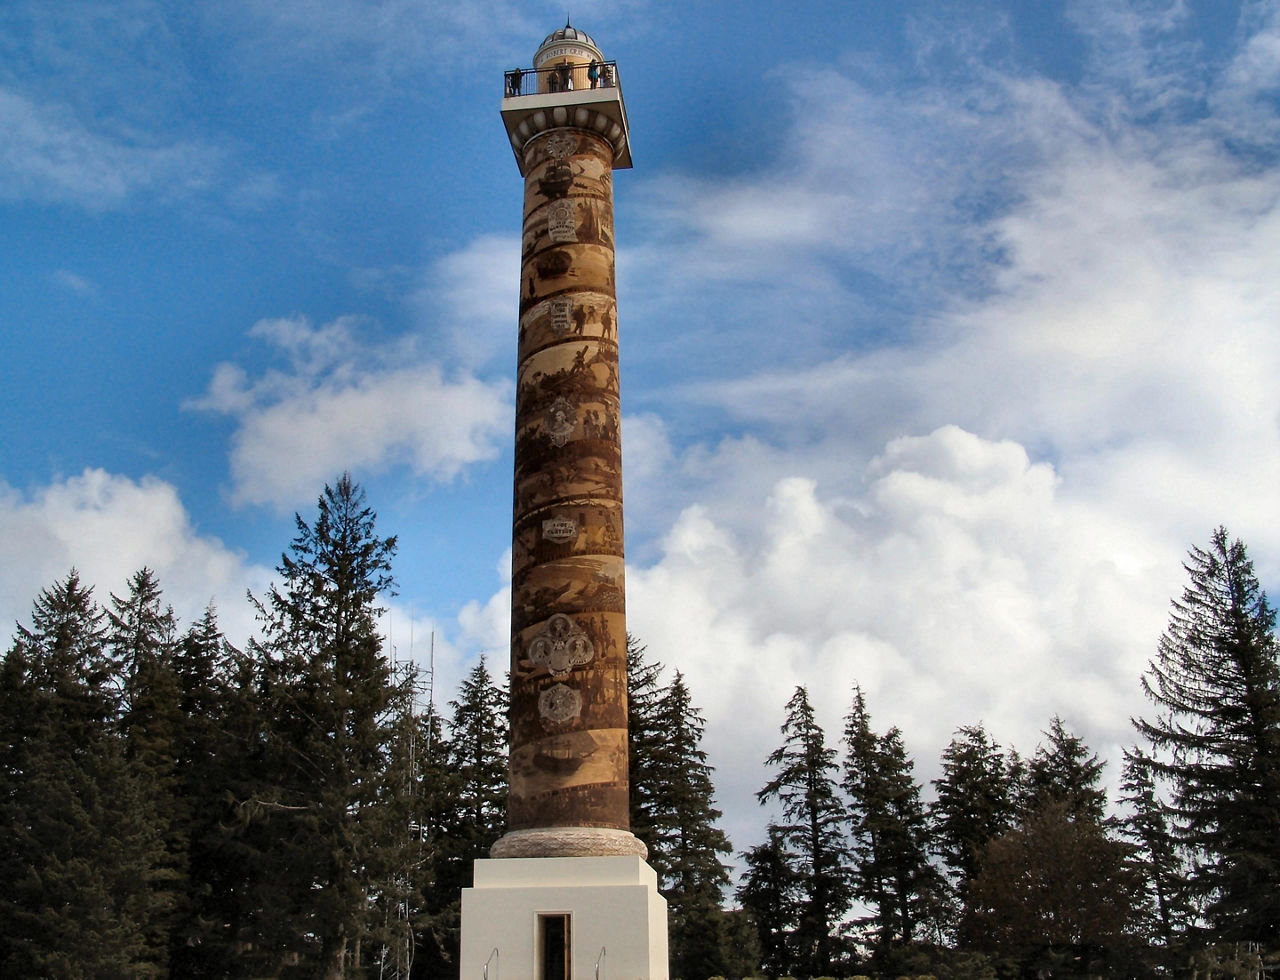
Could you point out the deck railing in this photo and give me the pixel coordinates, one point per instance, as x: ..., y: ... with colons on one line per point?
x: 559, y: 78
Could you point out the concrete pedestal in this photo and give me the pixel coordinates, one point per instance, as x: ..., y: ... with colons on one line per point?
x: 616, y: 919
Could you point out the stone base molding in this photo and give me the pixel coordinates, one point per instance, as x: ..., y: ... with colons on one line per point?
x: 569, y: 842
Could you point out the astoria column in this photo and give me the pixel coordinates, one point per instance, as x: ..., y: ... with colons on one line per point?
x: 568, y: 710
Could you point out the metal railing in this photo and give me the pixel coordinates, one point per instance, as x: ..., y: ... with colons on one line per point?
x: 559, y: 78
x: 599, y: 963
x: 490, y: 960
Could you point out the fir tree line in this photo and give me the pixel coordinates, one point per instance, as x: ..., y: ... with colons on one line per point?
x: 174, y: 806
x: 1017, y: 867
x: 177, y: 807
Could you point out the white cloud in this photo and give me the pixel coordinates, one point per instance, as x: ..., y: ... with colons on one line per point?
x: 956, y: 586
x: 108, y: 527
x: 342, y: 402
x: 49, y: 154
x: 1125, y: 313
x: 75, y: 283
x: 980, y: 512
x: 473, y: 293
x: 384, y: 38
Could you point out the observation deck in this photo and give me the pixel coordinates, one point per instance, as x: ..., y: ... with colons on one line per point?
x: 538, y: 99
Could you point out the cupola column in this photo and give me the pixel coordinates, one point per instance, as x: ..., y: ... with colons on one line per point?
x: 569, y: 774
x: 566, y: 892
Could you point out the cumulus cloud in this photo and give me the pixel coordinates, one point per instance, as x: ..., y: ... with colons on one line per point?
x: 956, y: 586
x: 977, y: 509
x: 341, y: 402
x: 108, y: 527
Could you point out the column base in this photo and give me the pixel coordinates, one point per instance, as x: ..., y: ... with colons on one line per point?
x: 568, y: 842
x: 605, y: 912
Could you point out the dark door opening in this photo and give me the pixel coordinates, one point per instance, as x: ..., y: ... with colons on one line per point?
x: 554, y: 931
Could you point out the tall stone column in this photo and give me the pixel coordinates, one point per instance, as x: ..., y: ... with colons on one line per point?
x: 569, y: 787
x: 566, y: 891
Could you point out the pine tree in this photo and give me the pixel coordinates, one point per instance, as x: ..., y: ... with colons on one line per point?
x: 329, y: 705
x: 687, y: 843
x: 1215, y: 736
x: 472, y: 792
x: 478, y: 757
x: 1056, y: 894
x: 436, y: 920
x: 645, y: 741
x: 209, y: 761
x: 1064, y: 770
x: 79, y: 856
x: 1155, y: 852
x: 141, y: 638
x: 975, y: 801
x: 804, y: 785
x: 889, y: 831
x: 397, y: 870
x: 770, y: 894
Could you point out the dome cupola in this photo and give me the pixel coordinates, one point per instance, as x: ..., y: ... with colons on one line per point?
x: 567, y: 46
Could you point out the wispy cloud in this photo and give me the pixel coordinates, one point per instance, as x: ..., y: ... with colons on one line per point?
x: 74, y: 282
x: 342, y: 401
x: 50, y: 155
x: 386, y: 39
x: 469, y: 296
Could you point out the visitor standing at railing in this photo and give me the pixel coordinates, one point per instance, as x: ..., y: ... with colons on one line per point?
x: 558, y: 78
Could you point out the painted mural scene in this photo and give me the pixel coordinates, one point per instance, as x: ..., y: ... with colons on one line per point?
x: 926, y: 647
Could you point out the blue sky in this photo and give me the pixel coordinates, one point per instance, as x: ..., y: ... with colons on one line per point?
x: 946, y: 329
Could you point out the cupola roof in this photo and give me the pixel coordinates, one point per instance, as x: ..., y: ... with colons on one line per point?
x: 570, y: 33
x: 567, y: 41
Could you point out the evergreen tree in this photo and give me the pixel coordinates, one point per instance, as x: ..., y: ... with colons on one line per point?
x: 254, y: 919
x: 141, y: 637
x: 478, y: 757
x: 210, y: 760
x: 329, y: 711
x: 471, y: 794
x: 79, y: 856
x: 673, y: 812
x: 645, y: 741
x: 975, y: 801
x: 398, y: 871
x: 889, y: 831
x: 687, y: 843
x: 1064, y: 770
x: 804, y: 784
x: 1155, y: 853
x: 436, y: 920
x: 770, y: 894
x: 1056, y: 894
x: 1215, y: 736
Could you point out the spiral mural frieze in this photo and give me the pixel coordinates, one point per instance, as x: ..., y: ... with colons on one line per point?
x: 568, y: 615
